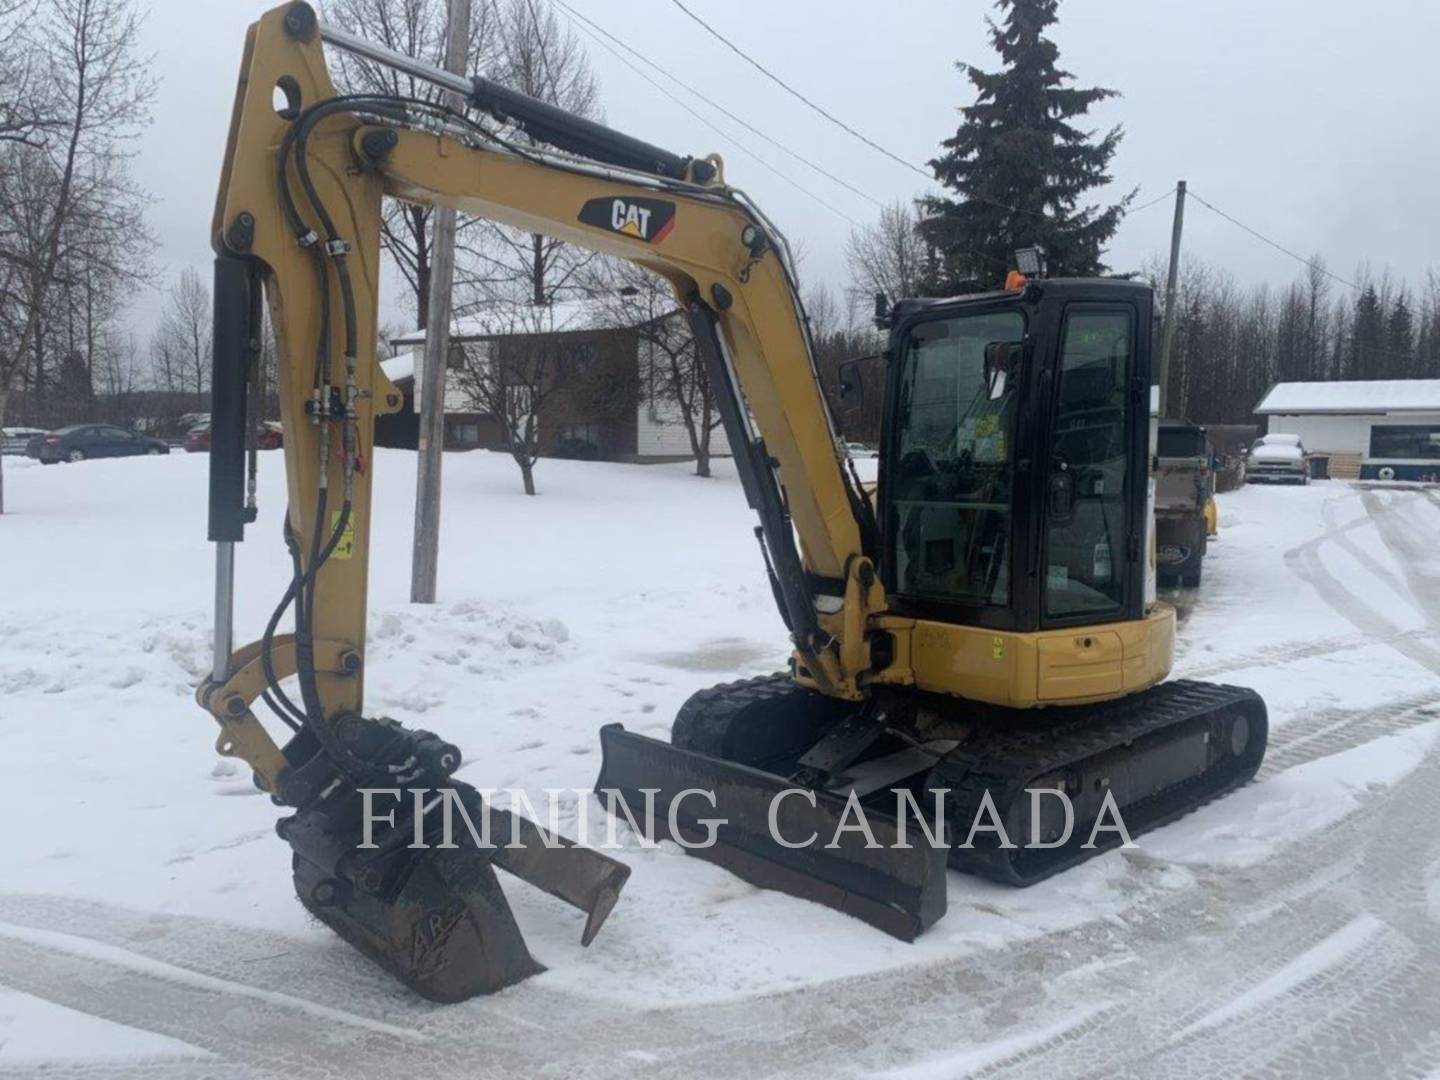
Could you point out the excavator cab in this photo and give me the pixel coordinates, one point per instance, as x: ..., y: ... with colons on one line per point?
x: 1013, y: 482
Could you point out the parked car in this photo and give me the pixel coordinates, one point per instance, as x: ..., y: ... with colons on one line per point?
x: 197, y: 440
x: 1277, y: 457
x: 81, y: 441
x: 14, y: 440
x: 860, y: 452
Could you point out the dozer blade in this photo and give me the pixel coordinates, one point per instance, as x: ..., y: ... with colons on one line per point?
x: 437, y: 917
x: 900, y: 890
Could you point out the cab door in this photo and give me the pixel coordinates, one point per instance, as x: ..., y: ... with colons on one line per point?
x: 1097, y: 472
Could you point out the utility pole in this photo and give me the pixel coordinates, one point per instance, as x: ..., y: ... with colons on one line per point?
x: 1167, y: 332
x: 425, y: 552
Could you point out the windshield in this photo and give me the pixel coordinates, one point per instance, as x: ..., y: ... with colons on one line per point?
x: 952, y: 489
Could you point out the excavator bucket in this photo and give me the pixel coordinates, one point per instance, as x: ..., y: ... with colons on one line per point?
x: 775, y: 834
x: 436, y: 916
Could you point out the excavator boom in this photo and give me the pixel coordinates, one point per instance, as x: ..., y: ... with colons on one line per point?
x: 298, y: 225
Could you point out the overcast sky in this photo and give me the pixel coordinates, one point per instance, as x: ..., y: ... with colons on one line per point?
x: 1314, y: 121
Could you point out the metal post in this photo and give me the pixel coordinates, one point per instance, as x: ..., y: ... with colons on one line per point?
x: 1167, y: 333
x: 425, y: 556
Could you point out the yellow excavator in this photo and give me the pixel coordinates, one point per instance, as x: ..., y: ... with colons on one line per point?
x: 978, y: 635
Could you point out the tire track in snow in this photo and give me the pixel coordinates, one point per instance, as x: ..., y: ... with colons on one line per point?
x: 1332, y: 731
x: 1287, y: 980
x: 113, y: 955
x: 1368, y: 1013
x: 1306, y: 562
x: 1410, y: 551
x: 1281, y: 655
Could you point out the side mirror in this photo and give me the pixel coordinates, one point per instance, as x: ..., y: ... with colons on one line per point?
x: 1001, y: 359
x: 882, y: 311
x: 852, y: 380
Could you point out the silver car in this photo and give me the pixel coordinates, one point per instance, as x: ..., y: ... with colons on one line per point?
x: 14, y: 440
x: 1277, y: 457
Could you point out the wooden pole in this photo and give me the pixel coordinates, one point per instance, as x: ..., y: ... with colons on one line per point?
x: 1167, y: 333
x: 425, y: 554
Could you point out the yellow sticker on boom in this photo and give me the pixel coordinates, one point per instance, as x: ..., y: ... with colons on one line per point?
x: 997, y: 648
x: 346, y: 547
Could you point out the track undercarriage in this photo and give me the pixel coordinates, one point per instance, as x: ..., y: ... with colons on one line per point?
x: 862, y: 808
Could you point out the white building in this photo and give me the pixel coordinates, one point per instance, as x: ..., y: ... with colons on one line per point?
x: 1386, y: 429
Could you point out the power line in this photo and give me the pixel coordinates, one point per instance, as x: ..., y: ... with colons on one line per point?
x: 835, y: 119
x: 1152, y: 202
x: 719, y: 131
x: 796, y: 93
x: 720, y: 108
x: 592, y: 29
x: 1274, y: 244
x: 1311, y: 263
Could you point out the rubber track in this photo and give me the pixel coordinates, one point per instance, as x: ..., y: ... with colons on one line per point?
x: 1011, y: 751
x: 1005, y: 761
x: 709, y: 715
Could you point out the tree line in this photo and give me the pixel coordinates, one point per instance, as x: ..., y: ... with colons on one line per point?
x: 1233, y: 342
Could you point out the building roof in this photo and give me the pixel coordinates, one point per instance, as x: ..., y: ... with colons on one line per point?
x: 506, y: 319
x: 401, y: 366
x: 1373, y: 396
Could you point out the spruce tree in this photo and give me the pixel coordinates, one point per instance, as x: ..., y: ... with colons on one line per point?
x: 1367, y: 336
x: 1400, y: 340
x: 1018, y: 166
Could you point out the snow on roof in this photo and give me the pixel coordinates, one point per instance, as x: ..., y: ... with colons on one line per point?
x: 1375, y: 396
x: 401, y: 366
x: 504, y: 319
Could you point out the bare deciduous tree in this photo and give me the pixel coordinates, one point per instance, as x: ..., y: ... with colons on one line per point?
x: 673, y: 381
x: 886, y: 257
x: 415, y: 28
x: 181, y: 346
x: 544, y: 59
x: 512, y: 379
x: 25, y: 95
x: 68, y: 207
x: 836, y: 339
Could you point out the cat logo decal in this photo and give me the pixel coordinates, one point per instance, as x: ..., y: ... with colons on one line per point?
x: 647, y: 220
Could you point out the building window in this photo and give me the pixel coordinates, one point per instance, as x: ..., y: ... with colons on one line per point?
x: 581, y: 357
x: 589, y: 433
x: 1405, y: 442
x: 463, y: 433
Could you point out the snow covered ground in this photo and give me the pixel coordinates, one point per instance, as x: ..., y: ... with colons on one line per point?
x: 148, y: 926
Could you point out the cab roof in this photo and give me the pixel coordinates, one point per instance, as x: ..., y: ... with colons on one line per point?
x: 1119, y: 288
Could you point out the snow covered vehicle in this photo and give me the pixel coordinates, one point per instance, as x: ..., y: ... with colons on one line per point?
x: 1277, y: 457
